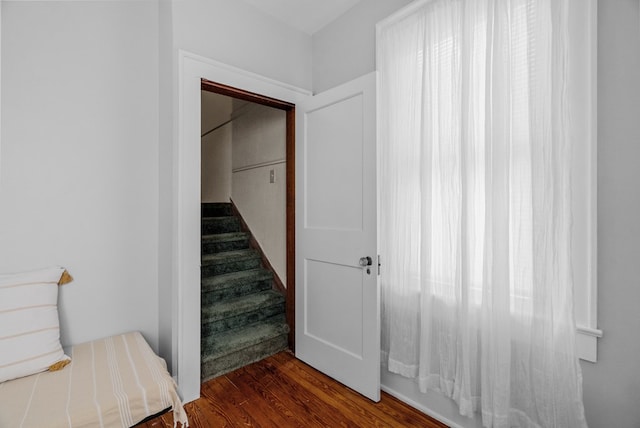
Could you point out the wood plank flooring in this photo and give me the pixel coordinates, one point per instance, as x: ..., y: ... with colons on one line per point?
x: 282, y: 391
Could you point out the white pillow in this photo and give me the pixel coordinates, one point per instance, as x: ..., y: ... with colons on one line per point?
x: 29, y: 325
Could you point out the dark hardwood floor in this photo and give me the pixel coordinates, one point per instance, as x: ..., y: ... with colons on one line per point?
x: 282, y: 391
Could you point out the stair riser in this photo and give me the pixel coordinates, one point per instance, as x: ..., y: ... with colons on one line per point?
x: 228, y: 267
x: 236, y: 291
x: 240, y: 320
x: 220, y: 225
x: 243, y: 357
x: 216, y: 209
x: 218, y: 247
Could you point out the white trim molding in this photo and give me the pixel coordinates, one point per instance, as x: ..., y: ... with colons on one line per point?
x: 587, y: 343
x: 186, y: 291
x: 584, y: 68
x: 259, y: 165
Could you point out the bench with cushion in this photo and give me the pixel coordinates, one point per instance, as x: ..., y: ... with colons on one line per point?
x: 113, y: 382
x: 116, y: 381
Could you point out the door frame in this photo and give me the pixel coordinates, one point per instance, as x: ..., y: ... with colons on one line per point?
x: 185, y: 327
x: 290, y: 153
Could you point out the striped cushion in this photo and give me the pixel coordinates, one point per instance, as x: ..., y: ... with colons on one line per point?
x: 113, y: 382
x: 29, y: 326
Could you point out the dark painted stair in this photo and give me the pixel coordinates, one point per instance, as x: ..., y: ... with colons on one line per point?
x: 242, y: 317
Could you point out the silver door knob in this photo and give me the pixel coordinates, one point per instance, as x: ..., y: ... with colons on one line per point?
x: 366, y: 261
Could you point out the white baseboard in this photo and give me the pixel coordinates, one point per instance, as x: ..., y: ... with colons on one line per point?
x: 432, y: 404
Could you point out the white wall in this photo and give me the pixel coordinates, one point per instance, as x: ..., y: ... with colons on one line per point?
x: 238, y: 34
x: 612, y: 385
x: 216, y: 165
x: 166, y: 81
x: 216, y: 147
x: 79, y: 165
x: 345, y: 49
x: 259, y: 146
x: 215, y: 110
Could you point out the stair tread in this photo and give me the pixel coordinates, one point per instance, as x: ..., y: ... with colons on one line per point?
x: 219, y: 224
x: 238, y: 305
x: 228, y: 280
x: 229, y: 236
x: 226, y: 286
x: 233, y: 340
x: 228, y: 256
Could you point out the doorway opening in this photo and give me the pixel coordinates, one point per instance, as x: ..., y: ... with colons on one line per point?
x: 286, y: 267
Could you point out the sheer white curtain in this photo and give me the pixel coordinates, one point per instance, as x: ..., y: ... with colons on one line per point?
x: 475, y: 208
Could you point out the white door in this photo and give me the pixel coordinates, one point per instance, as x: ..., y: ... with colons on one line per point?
x: 337, y: 299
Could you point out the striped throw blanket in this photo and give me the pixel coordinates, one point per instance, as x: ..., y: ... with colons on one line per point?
x: 113, y: 382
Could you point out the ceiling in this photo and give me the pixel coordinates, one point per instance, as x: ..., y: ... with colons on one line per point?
x: 308, y: 16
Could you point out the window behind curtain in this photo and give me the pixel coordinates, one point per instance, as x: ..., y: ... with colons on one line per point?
x: 427, y: 73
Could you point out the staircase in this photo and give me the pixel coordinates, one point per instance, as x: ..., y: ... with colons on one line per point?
x: 243, y: 319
